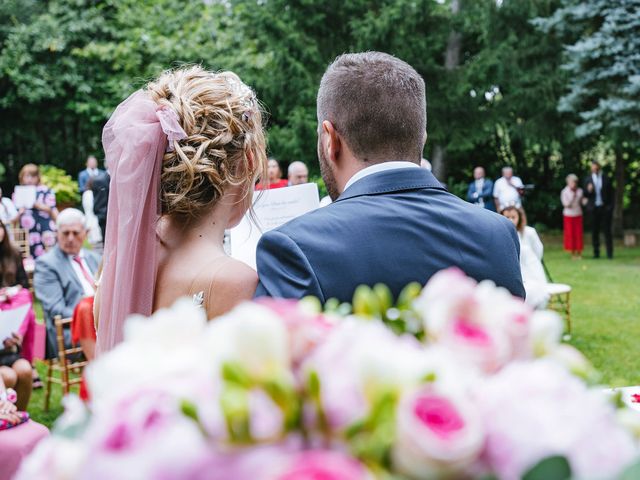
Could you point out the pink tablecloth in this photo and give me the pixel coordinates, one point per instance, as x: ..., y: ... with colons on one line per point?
x: 28, y: 327
x: 16, y: 443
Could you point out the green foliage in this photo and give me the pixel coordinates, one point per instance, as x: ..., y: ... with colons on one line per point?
x: 550, y: 468
x: 65, y: 187
x: 66, y: 64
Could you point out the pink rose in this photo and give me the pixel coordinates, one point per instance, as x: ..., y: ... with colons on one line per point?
x: 359, y: 361
x: 38, y: 250
x: 323, y: 465
x: 144, y: 435
x: 480, y: 323
x: 437, y: 435
x: 306, y: 329
x: 536, y: 409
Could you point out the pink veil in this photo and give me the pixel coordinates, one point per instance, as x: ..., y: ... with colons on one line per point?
x: 134, y: 142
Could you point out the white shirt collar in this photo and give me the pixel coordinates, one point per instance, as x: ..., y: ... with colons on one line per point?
x: 379, y: 167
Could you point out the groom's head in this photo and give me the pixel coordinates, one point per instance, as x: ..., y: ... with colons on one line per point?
x: 371, y: 109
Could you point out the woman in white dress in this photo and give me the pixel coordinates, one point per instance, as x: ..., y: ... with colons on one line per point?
x: 531, y: 251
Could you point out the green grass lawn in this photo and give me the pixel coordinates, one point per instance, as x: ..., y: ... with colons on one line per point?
x: 605, y: 312
x: 605, y: 307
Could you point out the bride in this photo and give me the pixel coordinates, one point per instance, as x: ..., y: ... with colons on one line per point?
x: 184, y: 154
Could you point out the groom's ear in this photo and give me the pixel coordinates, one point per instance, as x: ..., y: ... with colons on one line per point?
x: 332, y: 141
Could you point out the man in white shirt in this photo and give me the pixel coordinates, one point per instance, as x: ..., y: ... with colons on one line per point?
x: 65, y: 274
x: 507, y: 191
x: 390, y: 221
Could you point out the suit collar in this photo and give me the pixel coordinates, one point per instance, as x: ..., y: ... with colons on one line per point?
x: 392, y: 181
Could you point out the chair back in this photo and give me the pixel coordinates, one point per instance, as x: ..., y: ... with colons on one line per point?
x: 61, y: 369
x: 20, y: 239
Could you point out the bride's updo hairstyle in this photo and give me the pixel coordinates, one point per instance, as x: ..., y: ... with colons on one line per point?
x: 223, y: 122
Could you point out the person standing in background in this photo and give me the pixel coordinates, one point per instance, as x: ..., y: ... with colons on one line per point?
x: 91, y: 171
x: 298, y: 173
x: 507, y: 191
x: 38, y: 221
x: 99, y: 185
x: 480, y: 191
x: 571, y: 198
x: 274, y: 177
x: 599, y: 194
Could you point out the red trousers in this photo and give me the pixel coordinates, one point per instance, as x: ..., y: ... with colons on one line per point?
x: 573, y: 234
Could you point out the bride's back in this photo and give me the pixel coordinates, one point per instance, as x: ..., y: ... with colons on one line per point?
x: 184, y: 155
x: 207, y: 181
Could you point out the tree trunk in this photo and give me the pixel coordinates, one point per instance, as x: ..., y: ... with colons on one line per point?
x: 451, y: 61
x: 620, y: 178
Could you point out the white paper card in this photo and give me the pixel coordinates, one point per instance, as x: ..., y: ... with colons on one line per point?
x: 272, y: 208
x: 24, y: 196
x: 10, y: 321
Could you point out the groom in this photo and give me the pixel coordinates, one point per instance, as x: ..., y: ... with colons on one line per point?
x: 390, y: 221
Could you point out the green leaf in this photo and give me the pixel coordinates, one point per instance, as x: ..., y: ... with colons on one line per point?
x: 550, y: 468
x: 408, y: 295
x: 631, y: 473
x: 233, y: 372
x: 384, y: 296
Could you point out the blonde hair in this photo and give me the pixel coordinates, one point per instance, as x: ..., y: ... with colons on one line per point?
x: 29, y: 169
x: 223, y: 122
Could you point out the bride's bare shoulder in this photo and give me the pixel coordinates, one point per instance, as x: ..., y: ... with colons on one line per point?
x: 232, y: 284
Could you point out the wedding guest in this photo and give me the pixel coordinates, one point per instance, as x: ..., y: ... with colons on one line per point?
x: 94, y: 234
x: 480, y: 191
x: 599, y: 193
x: 274, y: 177
x: 507, y: 191
x: 14, y: 293
x: 38, y: 221
x: 571, y: 198
x: 8, y: 211
x: 18, y: 434
x: 99, y: 186
x: 65, y: 274
x: 531, y: 251
x: 15, y: 371
x: 298, y: 173
x: 91, y: 171
x: 191, y: 141
x: 390, y: 221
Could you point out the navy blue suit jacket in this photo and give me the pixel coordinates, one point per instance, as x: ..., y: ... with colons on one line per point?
x: 393, y: 227
x: 486, y: 194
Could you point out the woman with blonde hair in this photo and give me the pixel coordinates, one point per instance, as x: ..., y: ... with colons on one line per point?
x: 184, y: 154
x: 571, y: 198
x: 40, y: 220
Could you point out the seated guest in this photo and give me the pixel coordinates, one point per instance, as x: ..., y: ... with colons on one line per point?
x: 8, y: 211
x: 298, y: 173
x: 531, y: 250
x: 16, y: 372
x: 18, y: 434
x: 65, y: 274
x: 14, y: 293
x: 274, y: 175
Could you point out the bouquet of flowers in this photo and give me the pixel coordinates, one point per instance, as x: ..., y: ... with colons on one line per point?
x: 459, y: 380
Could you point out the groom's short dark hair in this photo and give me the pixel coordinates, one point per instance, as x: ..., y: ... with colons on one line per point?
x: 377, y: 103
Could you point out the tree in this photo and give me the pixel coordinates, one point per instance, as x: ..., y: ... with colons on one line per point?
x: 602, y: 41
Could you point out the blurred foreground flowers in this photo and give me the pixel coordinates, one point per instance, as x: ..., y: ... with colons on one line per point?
x: 459, y: 380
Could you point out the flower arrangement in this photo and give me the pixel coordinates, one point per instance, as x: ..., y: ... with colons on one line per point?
x: 459, y: 380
